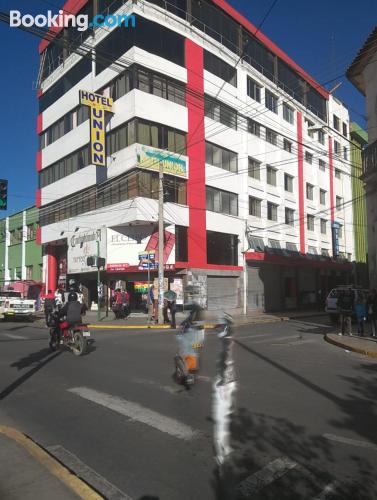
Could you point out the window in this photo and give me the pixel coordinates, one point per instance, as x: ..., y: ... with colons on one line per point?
x: 288, y: 183
x: 336, y: 122
x: 336, y: 148
x: 256, y: 243
x: 308, y: 157
x: 309, y: 126
x: 222, y: 248
x: 310, y: 222
x: 321, y: 137
x: 31, y: 231
x: 271, y: 101
x: 323, y: 226
x: 289, y: 216
x: 345, y: 153
x: 339, y: 202
x: 338, y: 173
x: 271, y: 175
x: 312, y: 250
x: 309, y: 191
x: 274, y: 244
x: 221, y: 201
x: 287, y: 145
x: 322, y: 165
x: 29, y: 272
x: 292, y: 247
x: 340, y: 232
x: 254, y: 169
x: 288, y: 113
x: 272, y: 211
x: 325, y: 252
x: 219, y: 112
x: 181, y: 254
x: 345, y: 129
x: 253, y: 89
x: 271, y: 136
x: 220, y: 157
x: 322, y: 197
x: 253, y: 127
x: 220, y: 68
x: 255, y: 206
x: 15, y: 236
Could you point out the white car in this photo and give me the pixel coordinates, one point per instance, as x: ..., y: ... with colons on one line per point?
x: 14, y: 306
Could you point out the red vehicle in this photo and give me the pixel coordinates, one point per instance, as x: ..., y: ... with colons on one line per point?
x: 75, y: 337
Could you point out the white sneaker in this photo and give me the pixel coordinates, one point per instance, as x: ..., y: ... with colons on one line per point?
x: 340, y: 334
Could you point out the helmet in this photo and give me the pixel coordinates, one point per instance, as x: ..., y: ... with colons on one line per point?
x: 72, y: 297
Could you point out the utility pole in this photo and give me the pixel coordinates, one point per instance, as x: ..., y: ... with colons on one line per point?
x: 160, y: 243
x: 98, y: 282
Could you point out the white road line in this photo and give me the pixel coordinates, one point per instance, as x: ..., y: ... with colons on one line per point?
x: 138, y: 413
x: 327, y: 490
x: 352, y: 442
x: 15, y: 337
x: 90, y: 476
x: 270, y: 473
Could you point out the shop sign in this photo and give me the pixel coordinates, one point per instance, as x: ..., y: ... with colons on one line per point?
x: 98, y: 105
x: 141, y: 286
x: 113, y: 268
x: 335, y: 238
x: 83, y: 245
x: 150, y: 158
x: 177, y: 287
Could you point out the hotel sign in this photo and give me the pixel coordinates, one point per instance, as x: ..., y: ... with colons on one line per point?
x: 98, y: 105
x: 150, y: 158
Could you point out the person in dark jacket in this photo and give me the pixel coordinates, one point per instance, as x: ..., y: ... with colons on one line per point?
x: 346, y: 307
x: 372, y: 311
x: 73, y: 310
x: 49, y: 306
x: 173, y: 309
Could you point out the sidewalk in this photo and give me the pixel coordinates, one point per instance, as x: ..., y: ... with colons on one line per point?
x: 28, y: 472
x: 361, y: 345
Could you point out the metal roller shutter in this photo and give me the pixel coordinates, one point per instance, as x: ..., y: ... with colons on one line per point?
x: 222, y: 292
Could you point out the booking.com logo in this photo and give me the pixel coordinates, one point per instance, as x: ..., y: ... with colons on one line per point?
x: 63, y: 20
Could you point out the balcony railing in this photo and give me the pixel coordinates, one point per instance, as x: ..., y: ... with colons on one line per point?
x: 369, y: 156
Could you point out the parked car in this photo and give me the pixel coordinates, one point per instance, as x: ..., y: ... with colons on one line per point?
x: 14, y: 305
x: 332, y: 299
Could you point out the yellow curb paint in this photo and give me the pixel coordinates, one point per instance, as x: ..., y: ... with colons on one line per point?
x: 78, y: 486
x: 365, y: 352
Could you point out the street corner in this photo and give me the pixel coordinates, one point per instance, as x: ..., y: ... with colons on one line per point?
x: 360, y: 345
x: 37, y: 471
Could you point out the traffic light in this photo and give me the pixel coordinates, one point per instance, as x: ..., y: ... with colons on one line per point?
x: 90, y: 261
x: 95, y: 261
x: 3, y: 194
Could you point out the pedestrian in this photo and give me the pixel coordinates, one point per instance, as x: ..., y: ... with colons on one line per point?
x: 361, y: 312
x: 165, y: 312
x: 151, y: 311
x: 49, y: 306
x: 117, y: 303
x: 59, y: 298
x: 372, y: 311
x: 345, y: 307
x: 126, y: 304
x: 173, y: 310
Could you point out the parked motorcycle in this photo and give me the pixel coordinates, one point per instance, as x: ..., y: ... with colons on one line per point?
x: 74, y: 337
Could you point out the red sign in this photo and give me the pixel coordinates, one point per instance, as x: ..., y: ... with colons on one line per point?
x: 117, y: 267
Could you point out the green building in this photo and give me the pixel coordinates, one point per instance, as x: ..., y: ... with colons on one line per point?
x: 20, y: 255
x: 359, y: 138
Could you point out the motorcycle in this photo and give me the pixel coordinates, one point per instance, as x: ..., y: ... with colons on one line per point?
x: 74, y: 337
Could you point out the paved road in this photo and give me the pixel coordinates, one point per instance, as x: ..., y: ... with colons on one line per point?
x: 304, y: 425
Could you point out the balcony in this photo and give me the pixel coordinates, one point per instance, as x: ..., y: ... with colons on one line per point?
x: 369, y: 156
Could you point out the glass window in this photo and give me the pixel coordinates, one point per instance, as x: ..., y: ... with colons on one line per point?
x: 345, y: 153
x: 322, y: 165
x: 339, y: 202
x: 272, y: 211
x: 221, y: 201
x: 345, y: 129
x: 220, y: 68
x: 338, y: 173
x: 310, y: 222
x: 271, y: 175
x: 321, y: 136
x: 254, y: 168
x: 253, y: 89
x: 255, y: 207
x: 288, y: 183
x: 253, y: 127
x: 336, y: 122
x: 322, y: 197
x: 289, y: 216
x: 292, y: 247
x: 220, y: 157
x: 271, y: 136
x: 222, y: 248
x: 271, y: 101
x: 287, y: 145
x: 288, y: 113
x: 256, y: 243
x: 323, y: 226
x: 336, y: 148
x: 308, y: 157
x: 309, y: 191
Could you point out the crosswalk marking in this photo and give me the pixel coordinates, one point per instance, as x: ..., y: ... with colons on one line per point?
x: 90, y: 476
x: 137, y: 412
x: 353, y: 442
x: 268, y: 474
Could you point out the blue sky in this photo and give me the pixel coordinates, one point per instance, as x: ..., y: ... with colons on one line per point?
x: 322, y: 36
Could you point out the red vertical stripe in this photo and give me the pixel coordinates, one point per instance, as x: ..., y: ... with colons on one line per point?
x: 38, y: 238
x: 38, y: 198
x: 52, y: 269
x: 331, y: 172
x: 38, y: 161
x: 196, y: 190
x: 39, y: 123
x: 300, y: 177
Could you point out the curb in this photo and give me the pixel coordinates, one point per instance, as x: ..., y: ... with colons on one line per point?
x: 358, y: 350
x: 73, y: 482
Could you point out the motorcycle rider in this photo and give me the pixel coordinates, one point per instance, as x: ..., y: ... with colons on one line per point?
x: 73, y: 311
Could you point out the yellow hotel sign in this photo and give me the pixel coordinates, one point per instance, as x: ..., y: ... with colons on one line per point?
x: 98, y: 105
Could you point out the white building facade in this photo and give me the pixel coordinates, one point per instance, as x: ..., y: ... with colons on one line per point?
x: 257, y: 185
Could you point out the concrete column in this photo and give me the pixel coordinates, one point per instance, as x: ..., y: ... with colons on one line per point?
x: 52, y: 269
x: 23, y: 246
x: 6, y: 257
